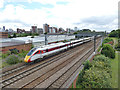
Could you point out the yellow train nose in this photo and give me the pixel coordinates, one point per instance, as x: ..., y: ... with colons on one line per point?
x: 26, y: 58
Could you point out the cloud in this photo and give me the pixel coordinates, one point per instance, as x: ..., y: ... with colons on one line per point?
x: 92, y: 14
x: 1, y: 3
x: 101, y: 20
x: 16, y: 21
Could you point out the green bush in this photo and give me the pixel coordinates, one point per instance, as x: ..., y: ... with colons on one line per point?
x: 22, y: 54
x: 12, y: 59
x: 108, y: 51
x: 106, y: 40
x: 87, y: 65
x: 114, y: 33
x: 95, y: 78
x: 96, y: 75
x: 14, y: 51
x: 117, y: 47
x: 6, y: 54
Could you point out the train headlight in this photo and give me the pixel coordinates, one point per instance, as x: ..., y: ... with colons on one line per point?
x: 26, y: 58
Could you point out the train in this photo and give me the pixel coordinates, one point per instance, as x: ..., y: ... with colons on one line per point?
x: 41, y: 52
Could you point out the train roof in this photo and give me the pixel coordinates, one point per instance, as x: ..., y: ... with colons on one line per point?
x: 50, y: 46
x: 55, y: 45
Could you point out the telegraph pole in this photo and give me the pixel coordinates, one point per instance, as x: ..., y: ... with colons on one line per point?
x: 46, y: 41
x: 94, y: 43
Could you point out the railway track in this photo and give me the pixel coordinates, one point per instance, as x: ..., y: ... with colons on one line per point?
x: 22, y: 80
x: 41, y: 75
x: 59, y: 83
x: 54, y: 81
x: 24, y: 73
x: 15, y: 70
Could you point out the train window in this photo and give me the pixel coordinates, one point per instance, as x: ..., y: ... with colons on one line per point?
x: 37, y: 52
x: 40, y: 51
x: 46, y: 50
x: 31, y: 51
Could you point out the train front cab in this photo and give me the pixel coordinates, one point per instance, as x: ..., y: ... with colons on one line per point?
x: 28, y: 56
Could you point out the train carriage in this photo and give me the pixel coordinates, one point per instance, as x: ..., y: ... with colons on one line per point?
x: 41, y: 52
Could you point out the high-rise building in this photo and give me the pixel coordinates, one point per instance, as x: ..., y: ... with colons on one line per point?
x: 75, y: 28
x: 40, y: 31
x: 45, y: 28
x: 34, y: 29
x: 3, y: 28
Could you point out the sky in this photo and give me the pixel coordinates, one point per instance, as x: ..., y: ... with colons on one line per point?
x: 98, y: 15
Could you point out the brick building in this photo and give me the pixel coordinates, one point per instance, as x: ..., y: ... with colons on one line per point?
x: 20, y: 30
x: 34, y: 29
x: 3, y: 34
x: 7, y: 46
x: 45, y: 28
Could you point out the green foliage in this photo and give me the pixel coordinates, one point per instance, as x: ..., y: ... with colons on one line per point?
x: 99, y: 49
x: 75, y: 33
x: 9, y: 36
x: 32, y: 36
x: 32, y: 46
x: 14, y: 35
x: 106, y: 40
x: 117, y: 47
x: 101, y: 58
x: 14, y: 51
x: 108, y: 51
x: 45, y: 33
x: 6, y: 54
x: 64, y: 41
x: 95, y: 74
x: 87, y: 65
x: 26, y: 34
x: 12, y: 59
x: 95, y: 78
x: 114, y: 33
x: 22, y: 54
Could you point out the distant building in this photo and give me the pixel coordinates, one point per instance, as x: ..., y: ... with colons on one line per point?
x: 12, y: 45
x: 3, y: 34
x: 75, y: 28
x: 34, y: 29
x: 68, y: 30
x: 3, y: 28
x: 40, y: 31
x: 45, y: 28
x: 10, y: 31
x: 20, y: 30
x: 61, y: 30
x: 53, y: 30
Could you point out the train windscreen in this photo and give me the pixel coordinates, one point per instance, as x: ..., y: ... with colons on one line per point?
x: 31, y: 51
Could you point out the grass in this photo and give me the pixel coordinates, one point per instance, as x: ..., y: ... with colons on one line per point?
x: 114, y: 67
x: 115, y: 41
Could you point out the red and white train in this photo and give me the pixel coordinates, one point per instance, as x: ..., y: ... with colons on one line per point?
x: 41, y: 52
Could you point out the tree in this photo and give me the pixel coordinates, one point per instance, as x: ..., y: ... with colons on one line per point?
x: 75, y: 33
x: 14, y: 35
x: 108, y: 51
x: 114, y: 33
